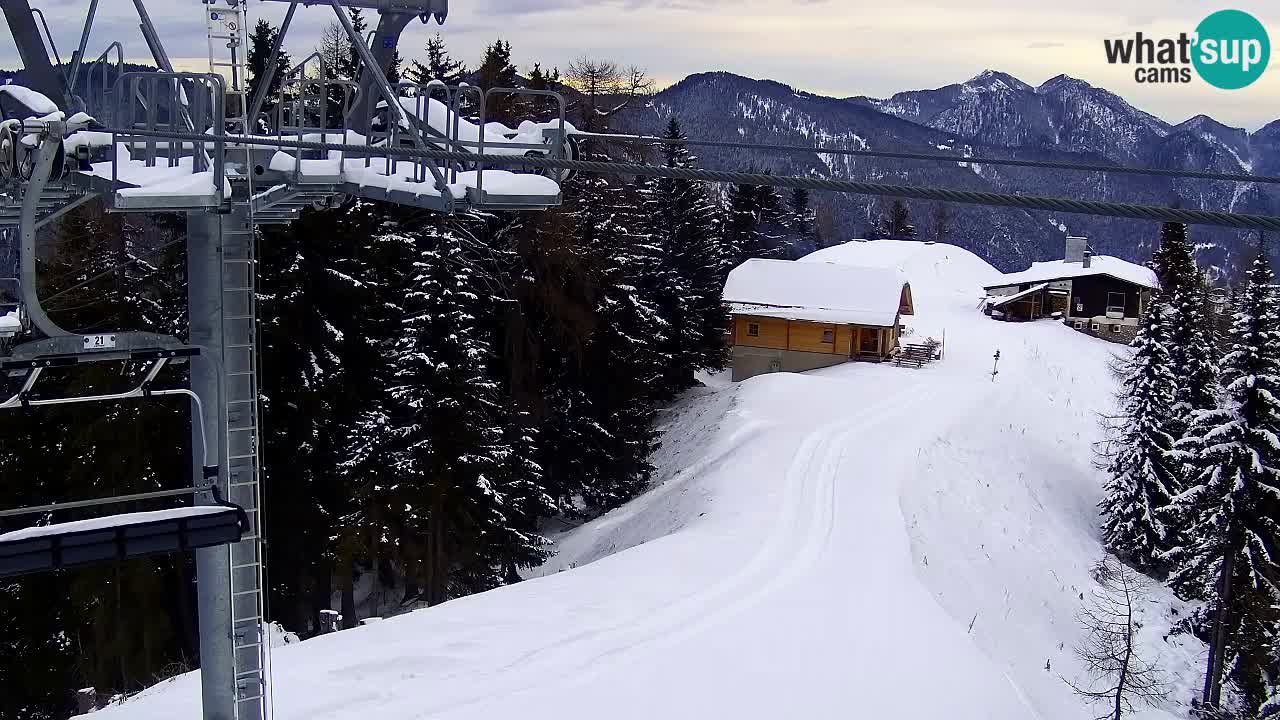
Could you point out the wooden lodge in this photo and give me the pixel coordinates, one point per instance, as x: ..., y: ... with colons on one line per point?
x: 794, y: 316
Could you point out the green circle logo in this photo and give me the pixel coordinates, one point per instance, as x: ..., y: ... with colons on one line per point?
x: 1232, y: 49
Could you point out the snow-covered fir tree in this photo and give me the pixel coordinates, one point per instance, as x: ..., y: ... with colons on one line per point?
x: 1193, y: 347
x: 1227, y: 550
x: 315, y: 380
x: 623, y: 359
x: 1174, y: 262
x: 686, y: 285
x: 750, y: 225
x: 1143, y: 475
x: 801, y: 219
x: 460, y: 484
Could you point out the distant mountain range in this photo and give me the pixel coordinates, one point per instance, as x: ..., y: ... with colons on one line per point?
x: 992, y: 114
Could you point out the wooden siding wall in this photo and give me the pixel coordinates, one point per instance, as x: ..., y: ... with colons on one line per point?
x: 807, y: 337
x: 773, y: 332
x: 1092, y: 291
x: 844, y: 340
x: 778, y: 334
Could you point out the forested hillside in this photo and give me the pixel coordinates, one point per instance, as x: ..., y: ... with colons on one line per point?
x: 435, y: 391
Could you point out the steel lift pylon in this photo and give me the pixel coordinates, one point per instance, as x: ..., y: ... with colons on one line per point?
x: 198, y: 144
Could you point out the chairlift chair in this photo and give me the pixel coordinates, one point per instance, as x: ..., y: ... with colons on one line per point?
x: 126, y: 536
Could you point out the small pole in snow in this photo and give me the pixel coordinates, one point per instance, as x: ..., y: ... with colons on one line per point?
x: 995, y: 366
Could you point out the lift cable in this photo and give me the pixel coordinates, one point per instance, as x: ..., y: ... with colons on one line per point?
x: 113, y: 269
x: 931, y: 157
x: 1024, y: 202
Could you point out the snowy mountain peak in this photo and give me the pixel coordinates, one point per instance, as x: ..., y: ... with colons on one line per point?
x: 1204, y: 123
x: 996, y: 80
x: 1059, y: 83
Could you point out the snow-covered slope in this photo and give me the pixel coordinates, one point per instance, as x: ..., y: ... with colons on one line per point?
x: 860, y: 541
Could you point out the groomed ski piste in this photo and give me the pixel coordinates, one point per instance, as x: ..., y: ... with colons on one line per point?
x: 863, y: 541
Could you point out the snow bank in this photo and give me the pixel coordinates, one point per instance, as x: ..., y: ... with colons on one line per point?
x: 859, y: 541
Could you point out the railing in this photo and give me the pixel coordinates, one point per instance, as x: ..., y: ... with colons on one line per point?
x: 105, y: 101
x: 170, y: 102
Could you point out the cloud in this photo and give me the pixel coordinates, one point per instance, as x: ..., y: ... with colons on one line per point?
x: 1043, y: 45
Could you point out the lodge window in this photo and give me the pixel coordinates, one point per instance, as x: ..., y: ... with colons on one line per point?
x: 1115, y: 328
x: 829, y: 337
x: 753, y: 329
x: 1094, y: 327
x: 1115, y: 302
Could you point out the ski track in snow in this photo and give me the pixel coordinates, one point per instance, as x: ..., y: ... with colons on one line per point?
x: 801, y: 535
x: 814, y: 547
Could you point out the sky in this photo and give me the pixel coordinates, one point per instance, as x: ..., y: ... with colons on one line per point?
x: 832, y: 47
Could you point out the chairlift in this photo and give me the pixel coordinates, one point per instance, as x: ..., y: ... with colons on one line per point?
x: 55, y: 546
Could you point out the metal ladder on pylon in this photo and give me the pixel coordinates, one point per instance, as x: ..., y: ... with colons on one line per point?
x: 227, y: 23
x: 240, y: 380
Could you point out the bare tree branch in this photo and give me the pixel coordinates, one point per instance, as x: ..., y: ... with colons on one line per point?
x: 1117, y: 674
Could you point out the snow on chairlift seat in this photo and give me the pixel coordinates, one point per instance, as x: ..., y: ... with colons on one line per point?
x: 119, y: 537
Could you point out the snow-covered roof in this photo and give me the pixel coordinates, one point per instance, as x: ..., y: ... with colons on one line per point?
x: 819, y: 292
x: 1062, y: 270
x: 1015, y: 296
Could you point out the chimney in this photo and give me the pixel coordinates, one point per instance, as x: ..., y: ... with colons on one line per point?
x: 1075, y: 249
x: 1087, y: 258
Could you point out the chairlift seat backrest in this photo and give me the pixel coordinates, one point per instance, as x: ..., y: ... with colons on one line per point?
x: 119, y: 537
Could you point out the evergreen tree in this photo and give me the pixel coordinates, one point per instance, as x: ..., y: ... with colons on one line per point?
x: 895, y: 223
x: 1173, y: 262
x: 750, y: 225
x: 686, y: 282
x: 1193, y: 348
x: 260, y: 43
x: 317, y: 377
x: 801, y: 219
x: 1143, y: 475
x: 351, y: 63
x: 540, y: 79
x: 1230, y: 507
x: 496, y: 70
x: 465, y: 491
x: 439, y: 65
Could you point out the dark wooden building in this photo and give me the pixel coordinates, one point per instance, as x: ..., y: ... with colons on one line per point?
x: 1096, y: 294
